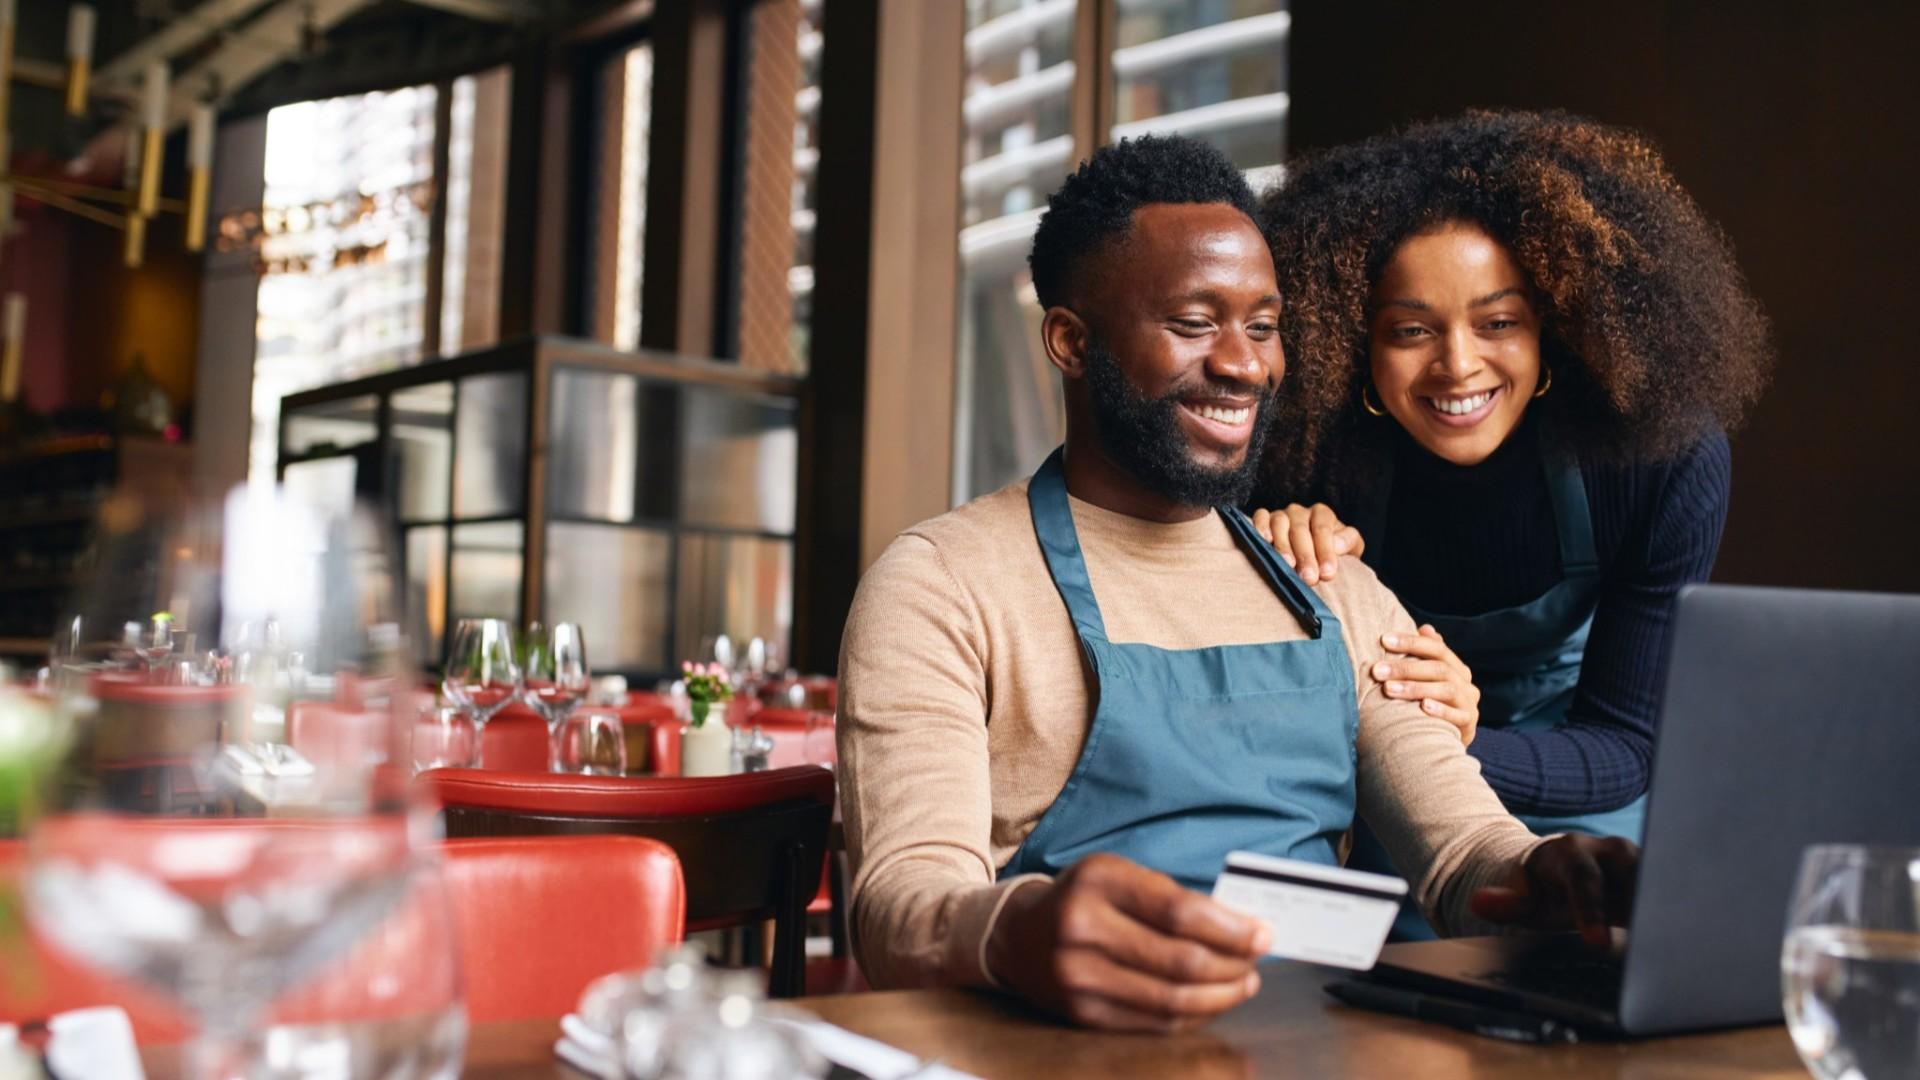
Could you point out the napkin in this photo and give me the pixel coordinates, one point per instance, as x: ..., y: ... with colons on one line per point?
x: 88, y: 1044
x: 593, y: 1053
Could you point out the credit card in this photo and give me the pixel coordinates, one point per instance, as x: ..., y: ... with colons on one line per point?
x: 1320, y: 914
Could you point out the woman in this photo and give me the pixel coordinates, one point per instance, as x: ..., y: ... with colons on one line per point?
x: 1517, y: 346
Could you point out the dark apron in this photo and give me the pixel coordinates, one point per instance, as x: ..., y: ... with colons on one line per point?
x: 1525, y: 660
x: 1195, y: 753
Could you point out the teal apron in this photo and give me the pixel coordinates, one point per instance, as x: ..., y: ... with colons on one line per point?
x: 1525, y: 660
x: 1195, y: 753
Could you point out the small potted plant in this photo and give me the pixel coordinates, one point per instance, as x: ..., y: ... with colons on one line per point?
x: 706, y: 744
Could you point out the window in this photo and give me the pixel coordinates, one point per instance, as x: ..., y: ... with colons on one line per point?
x: 619, y: 199
x: 345, y: 222
x: 1018, y: 147
x: 1213, y: 69
x: 476, y: 207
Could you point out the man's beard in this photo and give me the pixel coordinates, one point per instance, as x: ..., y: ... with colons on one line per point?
x: 1143, y: 436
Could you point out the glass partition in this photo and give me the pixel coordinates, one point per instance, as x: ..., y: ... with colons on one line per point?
x: 665, y: 508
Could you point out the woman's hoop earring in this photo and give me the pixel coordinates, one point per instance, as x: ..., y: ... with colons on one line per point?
x: 1367, y: 402
x: 1546, y: 384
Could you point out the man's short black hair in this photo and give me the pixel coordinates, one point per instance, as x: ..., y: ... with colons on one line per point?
x: 1095, y: 205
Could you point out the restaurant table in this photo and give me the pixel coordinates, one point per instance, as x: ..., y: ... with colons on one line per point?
x: 1291, y: 1028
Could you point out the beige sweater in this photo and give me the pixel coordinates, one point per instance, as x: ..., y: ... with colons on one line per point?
x: 964, y: 704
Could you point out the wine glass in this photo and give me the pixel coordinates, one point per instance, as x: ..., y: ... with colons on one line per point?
x: 557, y: 679
x: 1850, y: 966
x: 172, y: 849
x: 151, y: 639
x: 483, y: 673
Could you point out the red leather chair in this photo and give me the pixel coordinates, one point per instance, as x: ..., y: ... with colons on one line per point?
x: 537, y: 919
x: 652, y: 730
x: 516, y: 740
x: 541, y: 917
x: 329, y: 734
x: 751, y: 845
x: 800, y: 736
x: 806, y: 737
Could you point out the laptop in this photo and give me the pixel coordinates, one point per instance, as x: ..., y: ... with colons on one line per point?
x: 1789, y: 719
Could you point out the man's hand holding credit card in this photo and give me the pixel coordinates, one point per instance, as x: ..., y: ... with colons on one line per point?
x: 1320, y: 914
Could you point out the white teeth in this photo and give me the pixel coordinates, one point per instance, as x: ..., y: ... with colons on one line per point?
x: 1225, y: 416
x: 1461, y: 406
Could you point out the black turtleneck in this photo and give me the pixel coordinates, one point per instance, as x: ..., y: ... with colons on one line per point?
x: 1468, y: 540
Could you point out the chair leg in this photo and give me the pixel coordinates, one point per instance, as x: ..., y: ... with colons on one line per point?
x: 837, y: 894
x: 788, y: 977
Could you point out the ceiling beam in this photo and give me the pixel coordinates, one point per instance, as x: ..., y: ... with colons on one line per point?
x: 274, y: 37
x: 487, y: 10
x: 183, y: 33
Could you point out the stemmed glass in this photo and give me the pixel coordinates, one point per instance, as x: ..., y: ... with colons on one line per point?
x: 483, y: 672
x: 151, y: 642
x: 557, y: 679
x: 1850, y: 966
x: 156, y: 858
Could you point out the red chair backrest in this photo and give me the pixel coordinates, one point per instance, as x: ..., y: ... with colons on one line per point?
x: 652, y: 730
x: 800, y: 736
x: 541, y: 917
x: 536, y: 919
x: 751, y: 846
x: 330, y: 734
x: 516, y: 740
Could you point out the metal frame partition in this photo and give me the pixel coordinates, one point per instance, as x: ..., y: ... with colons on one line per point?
x: 649, y: 497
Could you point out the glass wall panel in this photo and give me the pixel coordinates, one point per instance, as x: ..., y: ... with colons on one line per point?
x: 741, y: 586
x: 486, y: 571
x: 593, y: 445
x: 737, y: 460
x: 333, y: 425
x: 343, y: 247
x: 616, y: 582
x: 1018, y: 147
x: 326, y: 484
x: 1214, y: 69
x: 490, y: 452
x: 426, y: 599
x: 423, y: 451
x: 619, y: 197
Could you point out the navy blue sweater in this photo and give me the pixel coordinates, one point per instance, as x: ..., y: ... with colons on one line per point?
x: 1469, y: 540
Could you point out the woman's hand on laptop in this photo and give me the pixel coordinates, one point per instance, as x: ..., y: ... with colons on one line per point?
x: 1112, y: 944
x: 1579, y: 882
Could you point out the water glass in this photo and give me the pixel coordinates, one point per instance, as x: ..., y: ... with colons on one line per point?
x: 444, y: 738
x: 591, y: 742
x: 1850, y: 967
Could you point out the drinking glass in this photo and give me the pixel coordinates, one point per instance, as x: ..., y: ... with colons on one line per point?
x: 155, y: 859
x: 1850, y: 967
x: 444, y: 738
x: 483, y: 673
x: 592, y: 742
x: 557, y: 679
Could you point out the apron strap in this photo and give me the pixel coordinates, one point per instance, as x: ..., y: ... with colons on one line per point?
x: 1573, y: 520
x: 1300, y: 600
x: 1060, y: 543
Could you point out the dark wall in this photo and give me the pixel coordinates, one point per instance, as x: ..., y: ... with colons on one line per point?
x: 1795, y: 127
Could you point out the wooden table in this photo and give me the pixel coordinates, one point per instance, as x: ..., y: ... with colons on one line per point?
x: 1290, y: 1029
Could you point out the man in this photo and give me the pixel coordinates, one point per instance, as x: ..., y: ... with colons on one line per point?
x: 1064, y: 703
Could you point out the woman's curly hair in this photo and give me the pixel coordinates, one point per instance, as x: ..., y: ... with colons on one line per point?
x: 1647, y: 324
